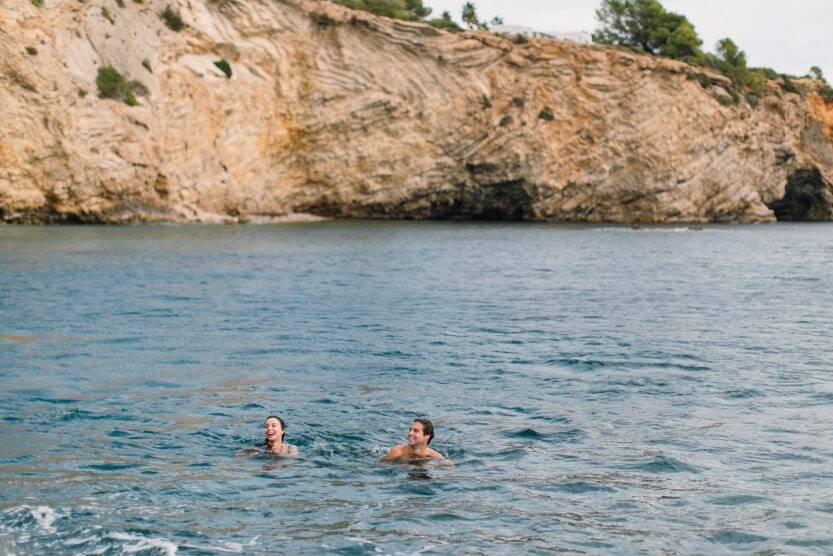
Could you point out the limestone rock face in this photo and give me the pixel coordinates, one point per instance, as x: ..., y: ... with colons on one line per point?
x: 335, y: 113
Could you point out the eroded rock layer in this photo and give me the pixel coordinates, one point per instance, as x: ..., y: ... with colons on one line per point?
x: 335, y: 113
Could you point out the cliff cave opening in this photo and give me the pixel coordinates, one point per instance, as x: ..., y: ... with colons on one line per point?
x: 807, y: 197
x: 503, y: 201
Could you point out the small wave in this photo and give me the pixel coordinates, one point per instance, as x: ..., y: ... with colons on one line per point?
x: 664, y: 464
x: 809, y: 543
x: 512, y: 453
x: 527, y: 433
x: 582, y: 488
x: 736, y: 537
x: 743, y: 394
x: 109, y: 467
x: 83, y: 414
x: 447, y: 516
x: 160, y: 384
x: 56, y: 401
x: 738, y: 500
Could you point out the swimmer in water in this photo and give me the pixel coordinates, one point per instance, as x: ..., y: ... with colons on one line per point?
x: 419, y: 436
x: 274, y: 428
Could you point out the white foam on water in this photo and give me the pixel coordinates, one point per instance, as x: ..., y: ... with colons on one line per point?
x: 228, y: 546
x: 45, y: 516
x: 143, y: 543
x: 360, y: 540
x: 74, y: 541
x: 7, y: 550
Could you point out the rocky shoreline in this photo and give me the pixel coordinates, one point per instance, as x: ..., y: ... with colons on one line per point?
x: 324, y: 112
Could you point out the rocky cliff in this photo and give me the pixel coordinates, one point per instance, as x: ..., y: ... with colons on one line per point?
x: 337, y: 113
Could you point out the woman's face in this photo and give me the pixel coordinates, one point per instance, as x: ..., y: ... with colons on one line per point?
x: 273, y: 430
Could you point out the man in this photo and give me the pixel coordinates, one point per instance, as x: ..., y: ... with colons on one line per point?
x: 419, y: 436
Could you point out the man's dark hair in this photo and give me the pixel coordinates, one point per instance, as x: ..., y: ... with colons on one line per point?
x: 427, y: 428
x: 283, y: 425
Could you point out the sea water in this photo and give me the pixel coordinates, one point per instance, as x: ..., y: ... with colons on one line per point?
x: 664, y: 390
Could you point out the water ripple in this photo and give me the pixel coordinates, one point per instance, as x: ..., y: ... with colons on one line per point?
x: 606, y: 390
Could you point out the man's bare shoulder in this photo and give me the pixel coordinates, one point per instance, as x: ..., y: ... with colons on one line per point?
x: 435, y: 454
x: 397, y: 452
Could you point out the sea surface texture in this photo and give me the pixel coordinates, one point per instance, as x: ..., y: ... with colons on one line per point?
x: 600, y: 390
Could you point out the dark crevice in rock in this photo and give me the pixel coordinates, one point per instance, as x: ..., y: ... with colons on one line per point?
x: 502, y: 201
x: 807, y: 197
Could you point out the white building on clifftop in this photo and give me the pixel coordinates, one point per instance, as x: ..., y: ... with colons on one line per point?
x: 575, y: 36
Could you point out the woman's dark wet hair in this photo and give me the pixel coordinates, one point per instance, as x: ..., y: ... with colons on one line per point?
x: 283, y: 425
x: 427, y: 428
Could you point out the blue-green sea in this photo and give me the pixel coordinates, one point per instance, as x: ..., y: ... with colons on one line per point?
x: 600, y: 390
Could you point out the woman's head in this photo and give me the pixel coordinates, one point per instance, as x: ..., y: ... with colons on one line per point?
x: 274, y: 429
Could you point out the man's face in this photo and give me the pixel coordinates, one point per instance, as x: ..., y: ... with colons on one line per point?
x: 416, y: 435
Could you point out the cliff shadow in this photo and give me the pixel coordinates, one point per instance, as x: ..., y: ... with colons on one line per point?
x: 505, y: 201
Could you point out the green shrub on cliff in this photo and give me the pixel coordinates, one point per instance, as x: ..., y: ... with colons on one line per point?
x: 444, y: 22
x: 725, y: 100
x: 730, y: 60
x: 546, y: 114
x: 223, y: 65
x: 172, y: 19
x: 409, y: 10
x: 789, y: 86
x: 111, y: 84
x: 826, y: 93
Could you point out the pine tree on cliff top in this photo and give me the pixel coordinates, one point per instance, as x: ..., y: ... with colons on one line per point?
x: 646, y: 26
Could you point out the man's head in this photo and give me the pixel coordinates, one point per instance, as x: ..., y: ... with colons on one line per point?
x: 422, y: 430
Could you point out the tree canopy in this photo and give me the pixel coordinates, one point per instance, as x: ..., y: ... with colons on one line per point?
x: 646, y: 26
x: 816, y: 73
x: 469, y: 15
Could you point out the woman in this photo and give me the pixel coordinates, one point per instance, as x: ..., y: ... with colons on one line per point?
x: 274, y: 428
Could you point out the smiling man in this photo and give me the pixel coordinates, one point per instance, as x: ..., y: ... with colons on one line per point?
x: 419, y: 436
